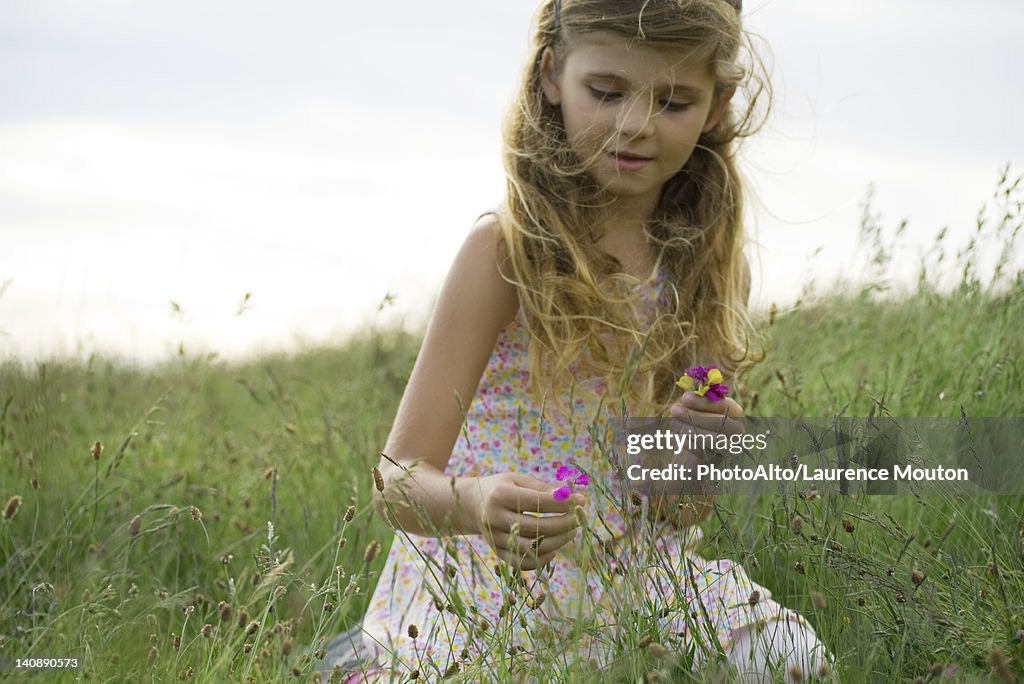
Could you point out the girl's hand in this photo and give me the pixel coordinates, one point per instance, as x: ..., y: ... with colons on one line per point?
x: 501, y: 510
x: 723, y: 417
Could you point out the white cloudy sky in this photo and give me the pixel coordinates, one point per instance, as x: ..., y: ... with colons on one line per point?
x: 321, y: 155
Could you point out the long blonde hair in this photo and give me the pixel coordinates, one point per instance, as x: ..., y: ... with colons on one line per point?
x: 578, y: 305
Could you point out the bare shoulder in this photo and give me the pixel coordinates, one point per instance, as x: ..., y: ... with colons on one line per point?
x: 476, y: 273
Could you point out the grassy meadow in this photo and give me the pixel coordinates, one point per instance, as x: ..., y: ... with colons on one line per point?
x: 211, y: 521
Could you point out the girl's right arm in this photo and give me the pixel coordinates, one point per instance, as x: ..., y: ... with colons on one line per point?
x: 476, y: 303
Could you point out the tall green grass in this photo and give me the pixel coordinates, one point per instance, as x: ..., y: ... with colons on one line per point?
x: 210, y: 521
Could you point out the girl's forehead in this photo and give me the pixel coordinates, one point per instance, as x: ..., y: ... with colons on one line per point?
x: 634, y: 60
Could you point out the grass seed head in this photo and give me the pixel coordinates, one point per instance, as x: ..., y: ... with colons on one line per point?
x: 848, y: 525
x: 917, y: 578
x: 818, y: 600
x: 371, y: 551
x: 796, y: 525
x: 657, y: 650
x: 12, y: 507
x: 378, y: 479
x: 350, y: 513
x: 413, y: 631
x: 96, y: 450
x: 796, y: 674
x: 207, y: 630
x: 135, y: 526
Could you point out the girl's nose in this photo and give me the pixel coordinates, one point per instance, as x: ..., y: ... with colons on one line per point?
x: 636, y: 118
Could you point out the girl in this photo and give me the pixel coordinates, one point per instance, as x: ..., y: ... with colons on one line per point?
x: 614, y: 263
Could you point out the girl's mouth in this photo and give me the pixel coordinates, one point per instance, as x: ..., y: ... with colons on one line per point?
x: 629, y: 162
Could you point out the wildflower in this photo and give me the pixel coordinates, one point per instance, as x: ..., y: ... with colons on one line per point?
x: 571, y: 477
x: 704, y: 381
x: 12, y: 507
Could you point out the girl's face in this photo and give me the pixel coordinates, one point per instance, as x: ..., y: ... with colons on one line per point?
x: 632, y: 113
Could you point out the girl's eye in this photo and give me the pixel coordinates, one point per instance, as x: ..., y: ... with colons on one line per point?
x: 670, y: 106
x: 604, y: 95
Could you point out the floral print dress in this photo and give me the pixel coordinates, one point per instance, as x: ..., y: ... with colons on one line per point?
x: 444, y: 604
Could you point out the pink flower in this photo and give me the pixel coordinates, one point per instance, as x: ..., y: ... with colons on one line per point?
x: 572, y: 477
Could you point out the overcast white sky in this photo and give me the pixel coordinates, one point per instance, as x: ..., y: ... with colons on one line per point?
x: 321, y: 155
